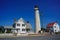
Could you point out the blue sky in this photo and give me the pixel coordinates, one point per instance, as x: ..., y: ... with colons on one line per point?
x: 10, y: 9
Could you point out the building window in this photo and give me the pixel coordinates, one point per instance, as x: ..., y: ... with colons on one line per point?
x: 23, y: 24
x: 55, y: 26
x: 55, y: 30
x: 51, y: 30
x: 51, y: 27
x: 18, y: 24
x: 23, y: 29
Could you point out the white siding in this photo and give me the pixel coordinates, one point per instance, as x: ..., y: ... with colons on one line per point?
x: 56, y: 27
x: 20, y: 27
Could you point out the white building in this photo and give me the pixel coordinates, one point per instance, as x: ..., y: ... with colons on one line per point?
x: 53, y: 27
x: 20, y: 26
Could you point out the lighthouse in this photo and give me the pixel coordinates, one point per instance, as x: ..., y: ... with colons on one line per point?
x: 37, y: 20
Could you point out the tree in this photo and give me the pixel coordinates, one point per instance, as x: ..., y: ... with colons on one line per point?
x: 1, y: 29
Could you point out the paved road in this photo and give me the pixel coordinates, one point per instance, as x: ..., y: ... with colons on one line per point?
x: 55, y: 37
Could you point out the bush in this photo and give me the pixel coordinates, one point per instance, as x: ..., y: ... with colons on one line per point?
x: 57, y: 32
x: 1, y: 29
x: 8, y: 31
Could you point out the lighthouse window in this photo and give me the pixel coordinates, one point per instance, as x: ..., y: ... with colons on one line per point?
x: 18, y: 24
x: 23, y: 24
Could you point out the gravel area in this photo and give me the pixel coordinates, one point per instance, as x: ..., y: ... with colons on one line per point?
x: 54, y: 37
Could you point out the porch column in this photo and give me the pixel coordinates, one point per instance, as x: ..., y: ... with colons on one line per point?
x: 5, y: 30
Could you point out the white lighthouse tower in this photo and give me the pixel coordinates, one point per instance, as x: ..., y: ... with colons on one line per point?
x: 37, y: 20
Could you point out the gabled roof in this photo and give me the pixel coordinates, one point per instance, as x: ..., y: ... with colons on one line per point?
x: 21, y: 20
x: 51, y: 24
